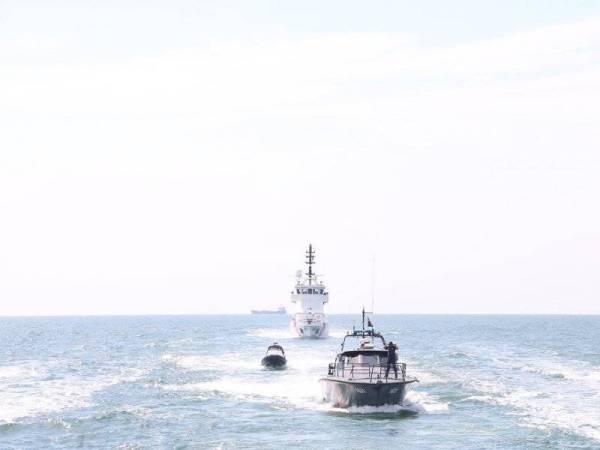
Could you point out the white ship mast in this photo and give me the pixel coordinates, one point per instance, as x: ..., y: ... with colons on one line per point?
x: 308, y: 297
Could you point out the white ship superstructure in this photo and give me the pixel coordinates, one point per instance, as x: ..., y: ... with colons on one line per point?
x: 309, y: 297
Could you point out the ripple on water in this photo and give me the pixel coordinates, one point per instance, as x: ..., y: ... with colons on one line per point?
x: 29, y: 393
x: 545, y: 403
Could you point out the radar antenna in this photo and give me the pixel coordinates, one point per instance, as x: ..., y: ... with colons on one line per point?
x: 310, y: 260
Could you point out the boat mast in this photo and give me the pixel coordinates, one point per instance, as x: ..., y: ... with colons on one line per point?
x: 372, y: 285
x: 363, y: 319
x: 310, y: 260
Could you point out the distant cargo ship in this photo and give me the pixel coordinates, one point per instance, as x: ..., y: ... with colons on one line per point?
x: 280, y: 310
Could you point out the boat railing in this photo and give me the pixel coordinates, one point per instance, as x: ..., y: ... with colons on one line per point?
x: 366, y: 371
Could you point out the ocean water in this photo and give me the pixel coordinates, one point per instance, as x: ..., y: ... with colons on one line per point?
x: 504, y: 382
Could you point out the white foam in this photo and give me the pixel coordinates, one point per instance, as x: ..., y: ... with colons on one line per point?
x: 45, y: 397
x: 548, y: 414
x: 34, y: 395
x: 301, y: 391
x: 60, y: 423
x: 551, y: 408
x: 495, y: 387
x: 228, y: 361
x: 574, y: 370
x: 480, y: 398
x: 578, y: 371
x: 426, y: 378
x: 20, y: 371
x: 271, y: 333
x: 421, y: 401
x: 294, y: 390
x: 385, y: 409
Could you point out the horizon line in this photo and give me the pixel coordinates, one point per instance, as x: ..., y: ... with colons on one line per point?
x: 16, y: 316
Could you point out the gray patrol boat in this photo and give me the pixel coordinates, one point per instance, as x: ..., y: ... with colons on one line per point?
x: 357, y: 377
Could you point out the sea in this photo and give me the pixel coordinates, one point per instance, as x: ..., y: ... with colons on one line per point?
x: 178, y: 382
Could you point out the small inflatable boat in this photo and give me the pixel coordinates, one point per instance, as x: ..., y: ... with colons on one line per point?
x: 275, y: 357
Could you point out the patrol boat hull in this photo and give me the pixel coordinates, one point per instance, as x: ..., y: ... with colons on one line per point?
x: 274, y: 362
x: 344, y: 393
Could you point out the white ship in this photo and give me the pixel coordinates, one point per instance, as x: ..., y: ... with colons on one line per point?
x: 309, y: 296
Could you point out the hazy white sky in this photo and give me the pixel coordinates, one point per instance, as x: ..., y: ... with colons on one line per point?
x: 177, y: 157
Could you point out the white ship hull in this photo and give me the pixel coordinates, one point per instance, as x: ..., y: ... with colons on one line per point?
x: 309, y: 330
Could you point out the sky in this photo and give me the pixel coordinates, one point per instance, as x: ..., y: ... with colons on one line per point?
x: 178, y: 157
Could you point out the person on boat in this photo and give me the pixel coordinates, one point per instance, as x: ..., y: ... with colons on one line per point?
x: 391, y: 359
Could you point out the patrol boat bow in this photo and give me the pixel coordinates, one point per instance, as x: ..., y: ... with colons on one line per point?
x: 358, y: 375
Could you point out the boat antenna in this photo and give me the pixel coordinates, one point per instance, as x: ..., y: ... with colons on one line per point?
x: 363, y: 319
x: 373, y: 274
x: 373, y: 284
x: 310, y: 260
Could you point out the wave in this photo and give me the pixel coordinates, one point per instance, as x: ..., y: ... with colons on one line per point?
x: 271, y: 333
x: 59, y: 423
x: 36, y: 394
x: 460, y: 355
x: 578, y: 371
x: 124, y: 410
x: 384, y: 409
x: 50, y: 396
x: 426, y: 378
x: 294, y: 391
x: 301, y: 392
x: 425, y: 402
x: 20, y: 371
x: 544, y: 409
x: 228, y: 361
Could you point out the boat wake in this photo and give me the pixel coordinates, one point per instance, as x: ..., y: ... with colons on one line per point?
x: 577, y: 371
x: 31, y: 390
x: 415, y: 403
x: 409, y: 408
x: 271, y: 333
x: 232, y: 361
x: 297, y: 392
x: 301, y: 391
x: 557, y: 406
